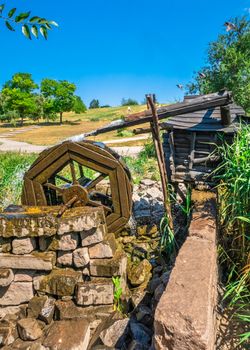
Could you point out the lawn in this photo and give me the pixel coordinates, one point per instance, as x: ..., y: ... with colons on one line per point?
x: 49, y: 134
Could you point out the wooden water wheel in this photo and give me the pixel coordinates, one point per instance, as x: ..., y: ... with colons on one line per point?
x: 72, y: 174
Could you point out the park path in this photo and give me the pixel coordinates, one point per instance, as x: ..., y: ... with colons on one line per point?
x: 8, y: 145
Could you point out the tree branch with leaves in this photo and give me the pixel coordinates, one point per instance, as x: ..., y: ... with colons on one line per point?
x: 30, y: 25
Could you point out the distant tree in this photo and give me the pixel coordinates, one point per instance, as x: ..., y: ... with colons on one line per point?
x: 228, y: 64
x: 61, y: 95
x: 79, y: 106
x: 31, y: 25
x: 94, y: 104
x: 129, y: 102
x: 105, y: 106
x: 18, y: 97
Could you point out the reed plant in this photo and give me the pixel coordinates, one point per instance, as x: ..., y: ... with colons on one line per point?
x: 234, y: 202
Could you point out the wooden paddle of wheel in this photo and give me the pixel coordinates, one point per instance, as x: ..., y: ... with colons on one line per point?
x: 59, y: 177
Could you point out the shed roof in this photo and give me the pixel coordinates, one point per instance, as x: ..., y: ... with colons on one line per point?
x: 205, y: 120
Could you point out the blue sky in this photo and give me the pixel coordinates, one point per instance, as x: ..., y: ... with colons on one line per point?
x: 113, y: 49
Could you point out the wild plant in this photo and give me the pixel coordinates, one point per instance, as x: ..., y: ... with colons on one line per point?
x: 117, y: 294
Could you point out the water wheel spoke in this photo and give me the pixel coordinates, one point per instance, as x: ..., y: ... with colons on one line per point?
x: 60, y: 177
x: 96, y: 181
x: 54, y: 187
x: 73, y: 173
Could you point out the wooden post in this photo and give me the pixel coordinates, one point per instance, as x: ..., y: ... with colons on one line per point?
x: 225, y: 115
x: 160, y: 159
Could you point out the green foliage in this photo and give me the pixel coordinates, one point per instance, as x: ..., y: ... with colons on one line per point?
x: 228, y: 65
x: 60, y: 94
x: 18, y: 98
x: 13, y: 167
x: 94, y: 104
x: 129, y: 102
x: 30, y: 25
x: 145, y: 165
x: 168, y: 244
x: 117, y: 294
x: 79, y: 106
x: 124, y: 133
x: 234, y: 195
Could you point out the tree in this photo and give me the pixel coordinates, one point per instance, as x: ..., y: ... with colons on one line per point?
x: 60, y: 94
x: 129, y: 102
x: 94, y: 104
x: 31, y: 25
x: 228, y: 65
x: 79, y: 106
x: 18, y: 97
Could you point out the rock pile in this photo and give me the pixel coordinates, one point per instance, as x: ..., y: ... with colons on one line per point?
x: 53, y: 271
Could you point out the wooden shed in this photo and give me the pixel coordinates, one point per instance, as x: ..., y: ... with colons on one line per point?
x: 190, y: 141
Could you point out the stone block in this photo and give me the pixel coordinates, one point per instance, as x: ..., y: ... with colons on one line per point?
x: 59, y: 282
x: 95, y: 292
x: 81, y: 257
x: 184, y: 316
x: 25, y: 275
x: 21, y: 246
x: 80, y: 219
x: 12, y: 311
x: 66, y: 310
x: 109, y: 267
x: 138, y: 274
x: 64, y: 258
x: 105, y: 249
x: 5, y: 245
x: 6, y: 277
x: 8, y: 333
x: 93, y: 236
x: 66, y: 242
x: 17, y: 293
x: 35, y: 306
x: 47, y: 312
x: 29, y: 329
x: 35, y: 261
x: 68, y: 334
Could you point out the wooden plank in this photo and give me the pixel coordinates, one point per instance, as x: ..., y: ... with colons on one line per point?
x: 56, y: 166
x: 51, y: 158
x: 39, y: 192
x: 87, y: 153
x: 30, y: 193
x: 90, y: 164
x: 117, y: 225
x: 125, y: 208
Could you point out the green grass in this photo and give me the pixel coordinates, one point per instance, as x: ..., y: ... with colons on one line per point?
x: 13, y: 167
x: 234, y: 195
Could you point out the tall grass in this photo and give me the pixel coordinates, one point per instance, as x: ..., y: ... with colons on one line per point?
x: 234, y: 194
x: 12, y: 169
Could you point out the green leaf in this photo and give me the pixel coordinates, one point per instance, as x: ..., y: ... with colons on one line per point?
x: 53, y: 23
x: 11, y: 12
x: 2, y: 8
x: 34, y: 19
x: 42, y: 21
x: 44, y: 32
x: 9, y: 26
x: 34, y: 31
x: 47, y: 26
x: 22, y: 16
x: 26, y: 31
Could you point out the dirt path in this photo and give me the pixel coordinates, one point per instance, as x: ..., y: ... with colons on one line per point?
x: 8, y: 145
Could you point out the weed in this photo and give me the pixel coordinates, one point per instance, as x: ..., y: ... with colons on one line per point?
x: 117, y: 294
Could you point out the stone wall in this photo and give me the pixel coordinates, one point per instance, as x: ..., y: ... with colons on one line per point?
x: 185, y: 314
x: 57, y: 268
